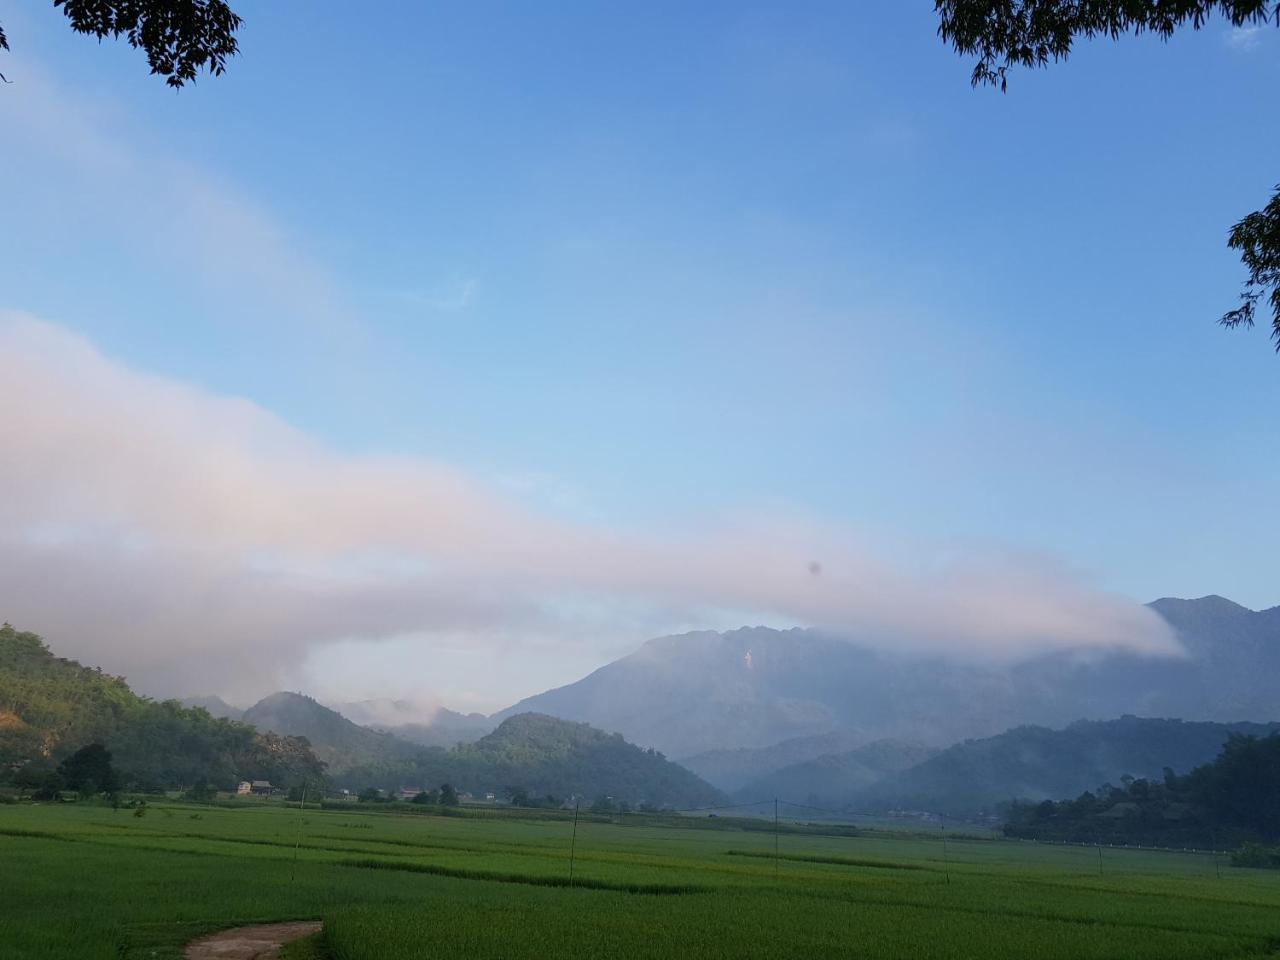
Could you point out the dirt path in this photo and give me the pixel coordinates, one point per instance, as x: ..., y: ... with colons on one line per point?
x: 259, y: 942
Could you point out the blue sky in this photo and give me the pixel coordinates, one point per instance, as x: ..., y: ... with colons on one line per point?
x: 644, y: 270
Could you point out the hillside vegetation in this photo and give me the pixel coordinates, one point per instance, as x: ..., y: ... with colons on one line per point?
x: 1035, y: 763
x: 51, y: 707
x: 1234, y: 799
x: 548, y: 755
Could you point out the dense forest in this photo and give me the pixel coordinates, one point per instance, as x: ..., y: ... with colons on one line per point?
x: 50, y: 708
x: 1233, y: 800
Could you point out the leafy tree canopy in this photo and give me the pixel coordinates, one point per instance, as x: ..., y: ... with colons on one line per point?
x: 1004, y: 34
x: 89, y: 770
x: 1234, y: 799
x: 179, y: 37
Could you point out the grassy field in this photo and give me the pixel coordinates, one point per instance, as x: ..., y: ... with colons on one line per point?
x: 86, y: 881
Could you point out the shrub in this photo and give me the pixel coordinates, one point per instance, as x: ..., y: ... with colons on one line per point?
x: 1256, y: 855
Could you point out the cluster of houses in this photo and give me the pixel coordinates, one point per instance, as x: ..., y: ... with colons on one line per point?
x: 408, y: 793
x: 264, y: 788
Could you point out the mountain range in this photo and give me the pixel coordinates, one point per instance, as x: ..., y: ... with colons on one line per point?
x: 698, y: 694
x: 757, y: 712
x: 538, y: 754
x: 798, y: 713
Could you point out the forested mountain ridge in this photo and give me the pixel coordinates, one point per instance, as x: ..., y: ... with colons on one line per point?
x: 1032, y: 763
x: 50, y: 707
x: 548, y: 755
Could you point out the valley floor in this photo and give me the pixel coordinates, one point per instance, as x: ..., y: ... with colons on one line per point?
x: 81, y: 881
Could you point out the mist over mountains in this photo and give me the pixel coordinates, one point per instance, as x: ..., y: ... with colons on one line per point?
x: 758, y: 687
x: 438, y: 727
x: 758, y: 712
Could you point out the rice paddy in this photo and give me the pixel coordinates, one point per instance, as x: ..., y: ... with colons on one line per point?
x: 88, y: 881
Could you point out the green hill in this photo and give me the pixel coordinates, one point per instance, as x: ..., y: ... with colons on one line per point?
x: 50, y: 707
x: 546, y: 755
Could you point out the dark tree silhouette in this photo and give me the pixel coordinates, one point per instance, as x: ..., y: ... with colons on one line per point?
x: 179, y: 37
x: 89, y: 770
x: 1033, y: 33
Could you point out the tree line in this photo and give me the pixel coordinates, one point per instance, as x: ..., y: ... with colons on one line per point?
x: 1232, y: 801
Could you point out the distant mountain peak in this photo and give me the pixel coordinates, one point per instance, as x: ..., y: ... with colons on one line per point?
x: 1212, y: 601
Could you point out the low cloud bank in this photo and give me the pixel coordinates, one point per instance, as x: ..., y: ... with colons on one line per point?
x: 198, y: 542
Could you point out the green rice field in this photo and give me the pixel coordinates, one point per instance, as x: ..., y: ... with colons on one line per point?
x: 88, y: 881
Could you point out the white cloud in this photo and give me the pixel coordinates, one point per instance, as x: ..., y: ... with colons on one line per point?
x: 112, y: 180
x: 1245, y: 39
x: 197, y: 542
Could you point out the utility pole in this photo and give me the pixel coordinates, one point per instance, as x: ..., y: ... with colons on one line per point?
x: 946, y: 859
x: 573, y: 840
x: 775, y: 838
x: 298, y: 846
